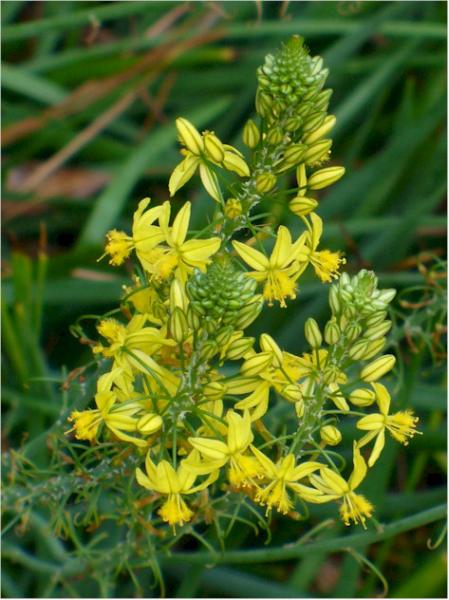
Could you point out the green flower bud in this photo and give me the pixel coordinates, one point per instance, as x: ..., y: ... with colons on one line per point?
x: 250, y: 313
x: 376, y: 318
x: 325, y: 177
x: 302, y: 206
x: 331, y: 332
x: 378, y: 368
x: 291, y: 158
x: 312, y: 333
x: 293, y: 124
x: 209, y: 349
x: 359, y: 350
x: 214, y: 390
x: 334, y: 302
x: 352, y: 331
x: 233, y: 208
x: 301, y: 179
x: 313, y: 121
x: 193, y: 319
x: 374, y: 348
x: 275, y: 136
x: 330, y: 435
x: 265, y: 182
x: 224, y: 335
x: 377, y: 331
x: 251, y: 134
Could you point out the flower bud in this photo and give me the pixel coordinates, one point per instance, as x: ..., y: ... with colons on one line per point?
x: 189, y: 136
x: 268, y: 344
x: 378, y: 368
x: 325, y: 177
x: 312, y: 333
x: 377, y: 331
x: 178, y: 297
x: 251, y: 134
x: 317, y: 152
x: 256, y: 364
x: 238, y: 348
x: 301, y: 179
x: 353, y: 331
x: 292, y: 392
x: 292, y: 124
x: 178, y: 325
x: 330, y: 435
x: 334, y: 302
x: 331, y: 332
x: 265, y: 182
x: 376, y: 318
x: 292, y: 156
x: 275, y: 136
x: 249, y: 313
x: 233, y: 208
x: 263, y: 103
x: 235, y: 163
x: 149, y: 423
x: 213, y: 147
x: 210, y: 347
x: 374, y: 348
x: 313, y: 121
x: 302, y: 206
x: 322, y: 130
x: 387, y: 296
x: 362, y: 397
x: 224, y: 335
x: 193, y: 318
x: 214, y: 390
x: 359, y: 349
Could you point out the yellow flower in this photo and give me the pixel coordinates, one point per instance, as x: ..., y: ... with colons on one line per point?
x: 145, y: 235
x: 280, y: 271
x: 118, y: 417
x: 282, y: 476
x: 181, y: 256
x: 401, y: 425
x: 165, y: 480
x: 239, y: 436
x: 332, y: 486
x: 325, y: 262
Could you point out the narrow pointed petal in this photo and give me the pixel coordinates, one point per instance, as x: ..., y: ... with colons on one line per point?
x: 281, y: 254
x: 252, y: 257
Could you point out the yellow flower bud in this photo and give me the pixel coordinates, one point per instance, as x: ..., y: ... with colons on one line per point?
x: 239, y: 348
x: 302, y: 206
x: 213, y: 147
x: 265, y: 182
x: 251, y: 134
x: 193, y: 319
x: 235, y: 163
x: 377, y: 331
x: 378, y: 368
x: 292, y: 155
x: 353, y: 330
x: 321, y: 131
x: 312, y: 333
x: 256, y: 364
x: 299, y: 408
x: 233, y: 208
x: 331, y: 332
x: 275, y: 136
x: 374, y: 348
x: 224, y: 335
x: 149, y: 423
x: 313, y: 121
x: 268, y: 344
x: 208, y: 350
x: 359, y: 350
x: 301, y: 179
x: 376, y: 318
x: 178, y: 297
x: 317, y: 152
x: 325, y: 177
x: 362, y: 397
x: 178, y: 325
x: 250, y: 313
x: 292, y: 392
x: 189, y: 136
x: 330, y: 435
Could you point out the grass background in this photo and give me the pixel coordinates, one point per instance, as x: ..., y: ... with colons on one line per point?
x: 90, y: 93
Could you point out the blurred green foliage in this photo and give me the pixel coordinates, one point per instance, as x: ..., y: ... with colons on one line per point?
x: 90, y: 93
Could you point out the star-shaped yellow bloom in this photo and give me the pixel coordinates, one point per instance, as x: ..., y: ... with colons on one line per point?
x: 242, y: 467
x: 119, y: 417
x: 178, y: 255
x: 145, y: 236
x: 282, y: 476
x: 332, y: 486
x: 163, y: 478
x: 280, y: 271
x: 401, y: 425
x: 325, y: 262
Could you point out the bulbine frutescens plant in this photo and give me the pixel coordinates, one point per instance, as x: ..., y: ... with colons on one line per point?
x: 187, y: 390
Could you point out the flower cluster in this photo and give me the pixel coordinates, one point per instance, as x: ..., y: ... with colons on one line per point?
x: 187, y: 389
